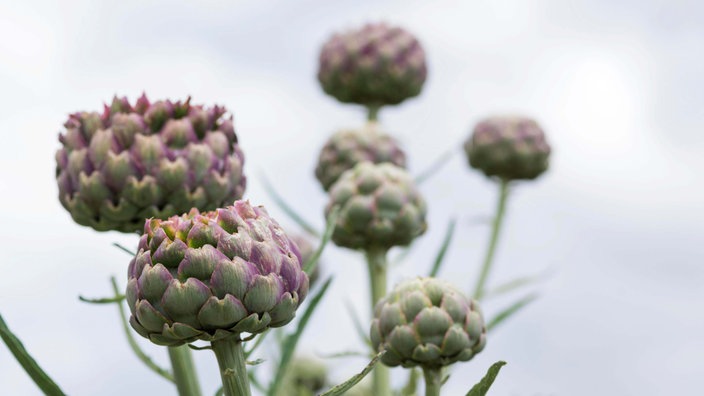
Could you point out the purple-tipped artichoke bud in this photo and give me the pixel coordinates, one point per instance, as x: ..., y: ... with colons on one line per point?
x: 150, y: 160
x: 373, y: 66
x: 427, y: 322
x: 380, y: 207
x: 208, y: 276
x: 306, y: 250
x: 508, y: 147
x: 348, y: 147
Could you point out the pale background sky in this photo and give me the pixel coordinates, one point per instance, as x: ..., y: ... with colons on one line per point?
x: 618, y: 86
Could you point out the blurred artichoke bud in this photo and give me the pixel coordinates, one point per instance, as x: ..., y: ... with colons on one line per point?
x: 373, y: 66
x: 154, y: 160
x: 305, y: 377
x: 427, y: 322
x: 348, y: 147
x: 213, y: 275
x: 379, y: 207
x: 306, y: 250
x: 510, y: 148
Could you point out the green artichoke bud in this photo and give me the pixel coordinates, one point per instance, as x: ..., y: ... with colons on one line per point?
x: 510, y: 148
x: 148, y: 160
x: 373, y: 66
x: 348, y: 147
x: 379, y: 207
x: 213, y: 275
x: 427, y: 322
x: 305, y: 377
x: 306, y: 251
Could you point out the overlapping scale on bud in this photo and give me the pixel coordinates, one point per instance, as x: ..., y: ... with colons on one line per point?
x: 307, y: 250
x: 159, y: 159
x: 380, y: 207
x: 374, y: 66
x: 214, y: 275
x: 508, y: 147
x: 427, y: 322
x: 348, y: 147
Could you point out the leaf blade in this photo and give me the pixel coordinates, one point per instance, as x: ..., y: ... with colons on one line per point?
x: 354, y: 380
x: 30, y: 366
x: 510, y: 310
x: 439, y: 258
x: 482, y: 387
x: 312, y: 262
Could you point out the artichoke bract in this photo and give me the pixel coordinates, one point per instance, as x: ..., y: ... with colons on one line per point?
x: 374, y: 66
x: 380, y: 207
x: 348, y: 147
x: 214, y: 275
x: 159, y: 159
x: 427, y: 322
x: 508, y: 147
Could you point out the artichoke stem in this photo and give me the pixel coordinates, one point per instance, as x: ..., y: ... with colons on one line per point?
x: 373, y: 112
x: 184, y: 371
x: 376, y: 259
x: 495, y: 228
x: 233, y: 370
x: 433, y: 381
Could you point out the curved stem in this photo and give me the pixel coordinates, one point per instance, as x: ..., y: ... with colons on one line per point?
x: 133, y: 343
x: 184, y: 371
x: 495, y: 228
x: 233, y: 370
x: 433, y: 381
x: 376, y: 259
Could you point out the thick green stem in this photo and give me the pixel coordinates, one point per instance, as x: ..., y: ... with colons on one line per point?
x: 495, y: 228
x: 373, y: 112
x: 233, y: 369
x: 433, y: 381
x: 376, y: 259
x: 184, y: 371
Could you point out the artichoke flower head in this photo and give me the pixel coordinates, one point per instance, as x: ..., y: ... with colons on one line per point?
x: 427, y: 322
x: 209, y: 276
x: 160, y: 159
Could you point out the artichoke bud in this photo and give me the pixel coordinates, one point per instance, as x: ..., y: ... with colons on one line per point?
x: 195, y: 280
x: 509, y: 148
x: 373, y: 66
x: 348, y: 147
x: 151, y: 163
x: 427, y: 322
x: 371, y: 198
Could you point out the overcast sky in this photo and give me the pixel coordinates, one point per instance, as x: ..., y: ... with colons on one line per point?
x: 617, y: 220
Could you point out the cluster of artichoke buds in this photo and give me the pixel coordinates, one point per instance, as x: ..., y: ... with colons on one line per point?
x: 380, y: 207
x: 214, y: 275
x: 508, y: 147
x: 348, y: 147
x: 159, y: 159
x: 374, y: 66
x: 427, y: 322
